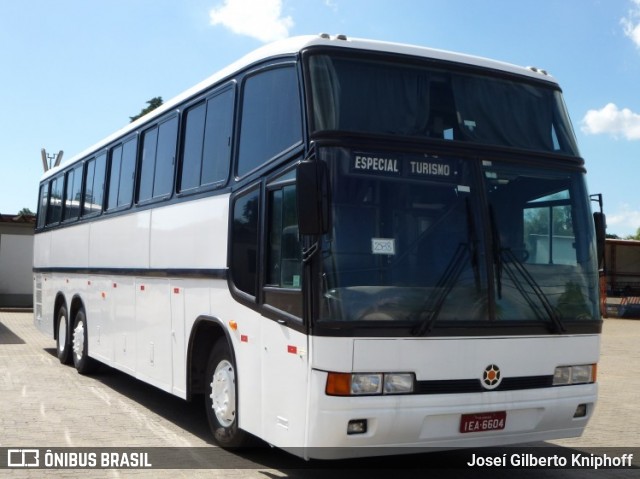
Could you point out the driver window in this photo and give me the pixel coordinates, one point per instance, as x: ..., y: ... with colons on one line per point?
x: 283, y: 285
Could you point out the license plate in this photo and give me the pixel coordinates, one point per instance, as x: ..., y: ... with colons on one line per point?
x: 484, y: 421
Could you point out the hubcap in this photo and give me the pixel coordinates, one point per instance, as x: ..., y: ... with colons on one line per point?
x: 223, y: 393
x: 62, y: 333
x: 78, y: 340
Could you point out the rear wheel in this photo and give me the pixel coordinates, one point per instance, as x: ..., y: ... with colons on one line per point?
x: 63, y: 344
x: 221, y: 398
x: 81, y: 360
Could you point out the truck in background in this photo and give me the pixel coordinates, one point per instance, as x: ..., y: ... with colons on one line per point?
x: 622, y: 272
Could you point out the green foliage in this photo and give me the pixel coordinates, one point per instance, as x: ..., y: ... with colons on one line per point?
x: 635, y: 236
x: 26, y: 212
x: 152, y: 105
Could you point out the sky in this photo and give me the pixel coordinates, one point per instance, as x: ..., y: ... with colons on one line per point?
x: 73, y: 71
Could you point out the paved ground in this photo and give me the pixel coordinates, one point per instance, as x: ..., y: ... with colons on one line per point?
x: 46, y: 404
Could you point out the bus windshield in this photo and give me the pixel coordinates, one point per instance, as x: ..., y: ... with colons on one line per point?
x: 410, y: 233
x: 373, y: 96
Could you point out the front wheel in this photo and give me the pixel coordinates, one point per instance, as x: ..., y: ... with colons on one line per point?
x: 222, y: 398
x: 81, y: 360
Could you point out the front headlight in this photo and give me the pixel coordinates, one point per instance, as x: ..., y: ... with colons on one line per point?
x: 580, y: 374
x: 368, y: 384
x: 398, y: 383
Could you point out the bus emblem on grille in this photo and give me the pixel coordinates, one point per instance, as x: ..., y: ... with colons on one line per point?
x: 491, y: 377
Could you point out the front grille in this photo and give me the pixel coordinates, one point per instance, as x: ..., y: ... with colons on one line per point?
x: 458, y: 386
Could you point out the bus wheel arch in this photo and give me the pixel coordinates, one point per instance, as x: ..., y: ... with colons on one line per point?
x: 211, y: 355
x: 205, y: 333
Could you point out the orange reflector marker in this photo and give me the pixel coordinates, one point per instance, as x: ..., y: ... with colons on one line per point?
x: 594, y: 373
x: 338, y: 384
x: 233, y: 325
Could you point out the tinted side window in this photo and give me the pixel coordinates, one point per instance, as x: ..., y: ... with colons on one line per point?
x: 207, y: 142
x: 114, y: 177
x: 217, y: 138
x: 158, y: 160
x: 192, y: 148
x: 244, y: 241
x: 54, y: 212
x: 42, y: 205
x: 125, y: 192
x: 284, y: 259
x: 72, y: 193
x: 284, y: 262
x: 94, y: 185
x: 123, y: 162
x: 270, y: 117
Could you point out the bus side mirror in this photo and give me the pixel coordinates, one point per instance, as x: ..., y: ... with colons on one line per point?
x: 600, y: 221
x: 312, y: 191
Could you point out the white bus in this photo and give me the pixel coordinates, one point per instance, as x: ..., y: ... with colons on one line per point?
x: 339, y: 243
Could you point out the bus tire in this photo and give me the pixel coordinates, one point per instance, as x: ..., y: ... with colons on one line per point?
x: 63, y: 343
x: 221, y: 398
x: 81, y: 360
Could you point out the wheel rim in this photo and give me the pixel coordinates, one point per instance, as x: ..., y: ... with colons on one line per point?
x: 78, y: 340
x: 62, y: 333
x: 223, y: 393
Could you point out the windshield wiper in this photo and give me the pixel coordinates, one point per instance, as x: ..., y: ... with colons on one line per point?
x: 450, y: 276
x: 500, y: 266
x: 442, y: 289
x: 512, y: 259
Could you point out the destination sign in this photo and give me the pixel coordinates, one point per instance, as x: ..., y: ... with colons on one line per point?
x: 410, y: 166
x: 375, y: 164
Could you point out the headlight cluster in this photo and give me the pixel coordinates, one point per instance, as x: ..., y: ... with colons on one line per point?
x: 366, y: 384
x: 582, y: 374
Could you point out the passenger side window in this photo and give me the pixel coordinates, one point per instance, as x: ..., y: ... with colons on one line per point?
x: 123, y: 162
x: 271, y: 117
x: 94, y: 185
x: 158, y: 160
x: 72, y: 194
x: 54, y: 212
x: 207, y: 142
x: 42, y: 205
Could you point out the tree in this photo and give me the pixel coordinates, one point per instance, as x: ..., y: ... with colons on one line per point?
x: 635, y: 236
x: 153, y: 104
x: 25, y: 212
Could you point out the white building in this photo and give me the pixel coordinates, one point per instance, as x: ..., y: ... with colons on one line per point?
x: 16, y: 259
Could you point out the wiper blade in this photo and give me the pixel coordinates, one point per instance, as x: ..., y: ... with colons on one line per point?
x: 537, y: 290
x: 442, y: 289
x: 500, y: 266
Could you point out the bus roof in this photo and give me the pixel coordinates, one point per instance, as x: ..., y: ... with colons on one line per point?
x: 293, y: 45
